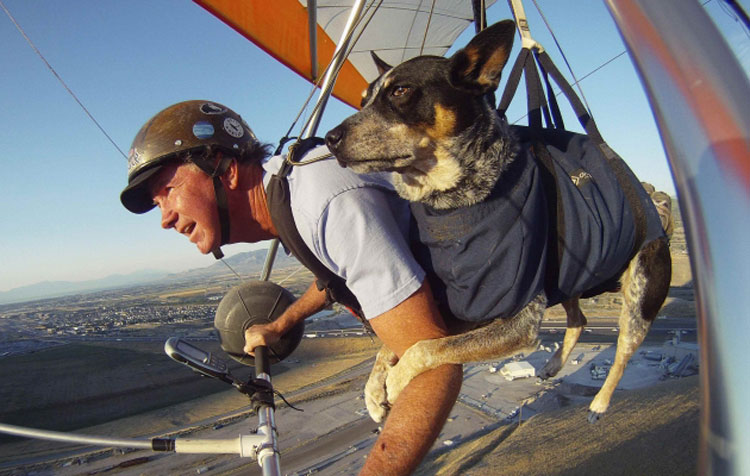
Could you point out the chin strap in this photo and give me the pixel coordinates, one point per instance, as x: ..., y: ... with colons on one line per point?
x: 221, y: 196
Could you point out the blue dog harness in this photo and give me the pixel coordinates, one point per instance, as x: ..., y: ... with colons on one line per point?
x: 491, y: 259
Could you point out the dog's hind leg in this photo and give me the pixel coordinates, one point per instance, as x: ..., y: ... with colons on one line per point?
x: 376, y: 399
x: 575, y: 323
x: 499, y: 338
x: 645, y: 286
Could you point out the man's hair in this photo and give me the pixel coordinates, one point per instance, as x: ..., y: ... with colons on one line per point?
x: 255, y: 152
x: 252, y: 153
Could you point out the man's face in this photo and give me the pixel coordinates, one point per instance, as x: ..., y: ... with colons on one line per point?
x: 185, y: 196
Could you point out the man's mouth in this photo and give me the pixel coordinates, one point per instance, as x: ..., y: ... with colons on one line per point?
x: 188, y: 230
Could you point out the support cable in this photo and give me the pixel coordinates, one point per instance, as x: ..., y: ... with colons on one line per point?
x: 576, y: 82
x: 49, y: 66
x: 427, y: 28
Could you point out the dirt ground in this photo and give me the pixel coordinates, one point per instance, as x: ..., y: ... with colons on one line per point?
x: 648, y: 431
x: 140, y: 392
x: 173, y: 404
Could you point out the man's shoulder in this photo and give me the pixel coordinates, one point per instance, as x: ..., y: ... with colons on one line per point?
x: 326, y: 178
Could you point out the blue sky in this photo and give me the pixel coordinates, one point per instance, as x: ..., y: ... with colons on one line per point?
x: 61, y: 177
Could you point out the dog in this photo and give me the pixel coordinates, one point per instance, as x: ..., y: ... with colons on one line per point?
x: 431, y: 122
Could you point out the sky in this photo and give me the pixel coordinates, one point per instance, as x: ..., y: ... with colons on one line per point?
x: 60, y: 214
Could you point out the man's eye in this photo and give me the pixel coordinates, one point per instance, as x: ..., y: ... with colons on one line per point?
x: 399, y: 91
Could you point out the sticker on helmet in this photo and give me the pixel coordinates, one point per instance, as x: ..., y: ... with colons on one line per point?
x: 203, y: 130
x: 134, y: 158
x: 233, y: 127
x: 211, y: 108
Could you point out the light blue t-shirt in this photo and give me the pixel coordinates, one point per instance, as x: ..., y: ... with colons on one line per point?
x: 356, y: 226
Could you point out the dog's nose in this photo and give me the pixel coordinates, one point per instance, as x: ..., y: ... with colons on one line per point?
x: 333, y: 138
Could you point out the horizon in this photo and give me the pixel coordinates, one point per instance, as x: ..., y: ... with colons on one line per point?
x: 126, y: 61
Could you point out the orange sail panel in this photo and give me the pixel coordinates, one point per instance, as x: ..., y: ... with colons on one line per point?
x: 280, y: 28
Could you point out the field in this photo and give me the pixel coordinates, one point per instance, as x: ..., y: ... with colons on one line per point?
x: 135, y: 389
x: 131, y: 388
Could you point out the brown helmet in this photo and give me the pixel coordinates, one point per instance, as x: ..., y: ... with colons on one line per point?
x: 190, y: 126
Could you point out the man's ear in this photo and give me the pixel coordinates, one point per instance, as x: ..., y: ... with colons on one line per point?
x: 231, y: 177
x: 381, y: 65
x: 479, y: 65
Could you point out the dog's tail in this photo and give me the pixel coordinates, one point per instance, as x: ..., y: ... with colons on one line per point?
x: 663, y: 204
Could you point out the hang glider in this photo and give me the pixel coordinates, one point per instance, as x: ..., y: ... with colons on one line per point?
x: 304, y: 39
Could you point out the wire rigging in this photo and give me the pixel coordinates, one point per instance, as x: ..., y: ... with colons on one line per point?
x: 736, y: 13
x: 427, y: 28
x: 49, y: 66
x: 370, y: 7
x: 576, y: 82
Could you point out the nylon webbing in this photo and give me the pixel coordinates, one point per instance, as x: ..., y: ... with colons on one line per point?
x: 279, y: 205
x: 221, y: 196
x: 615, y: 161
x: 536, y: 102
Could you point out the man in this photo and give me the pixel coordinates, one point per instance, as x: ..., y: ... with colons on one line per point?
x: 200, y: 163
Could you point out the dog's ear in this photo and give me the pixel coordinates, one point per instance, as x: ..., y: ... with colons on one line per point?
x: 478, y: 66
x: 379, y: 63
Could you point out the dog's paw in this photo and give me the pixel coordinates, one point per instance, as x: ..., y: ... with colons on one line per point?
x: 376, y: 399
x: 594, y: 416
x: 415, y: 360
x: 597, y: 408
x: 552, y: 367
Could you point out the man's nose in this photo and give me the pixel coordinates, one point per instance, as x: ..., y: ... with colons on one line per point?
x: 168, y: 217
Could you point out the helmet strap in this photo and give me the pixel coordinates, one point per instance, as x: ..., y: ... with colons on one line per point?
x: 221, y: 196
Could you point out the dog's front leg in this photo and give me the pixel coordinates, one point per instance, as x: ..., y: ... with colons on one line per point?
x: 499, y: 338
x: 375, y: 393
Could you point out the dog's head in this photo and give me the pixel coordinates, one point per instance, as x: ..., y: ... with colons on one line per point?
x: 419, y: 118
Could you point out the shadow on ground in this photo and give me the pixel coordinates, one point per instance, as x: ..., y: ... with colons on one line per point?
x: 647, y: 431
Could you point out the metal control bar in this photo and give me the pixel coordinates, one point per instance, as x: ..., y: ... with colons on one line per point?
x: 261, y: 445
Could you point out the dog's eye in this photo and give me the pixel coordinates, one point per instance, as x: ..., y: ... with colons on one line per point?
x: 399, y: 91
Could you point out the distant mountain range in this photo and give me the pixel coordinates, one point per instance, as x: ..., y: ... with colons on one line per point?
x: 247, y: 263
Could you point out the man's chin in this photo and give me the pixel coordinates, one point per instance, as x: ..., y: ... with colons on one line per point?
x: 206, y: 248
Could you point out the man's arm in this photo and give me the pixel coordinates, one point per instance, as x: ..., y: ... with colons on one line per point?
x: 312, y: 301
x: 420, y: 411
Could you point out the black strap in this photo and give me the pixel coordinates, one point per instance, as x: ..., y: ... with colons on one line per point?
x: 587, y: 122
x: 614, y: 160
x: 536, y: 103
x: 221, y: 196
x: 551, y: 98
x: 536, y: 100
x: 279, y: 206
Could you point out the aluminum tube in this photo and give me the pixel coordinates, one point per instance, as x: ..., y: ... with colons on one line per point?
x: 268, y: 455
x: 330, y: 78
x: 270, y: 258
x: 325, y: 93
x: 701, y: 100
x: 312, y: 27
x: 72, y: 437
x: 205, y: 446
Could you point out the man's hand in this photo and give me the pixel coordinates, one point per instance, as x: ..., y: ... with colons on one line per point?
x: 268, y: 334
x: 261, y: 334
x: 418, y: 415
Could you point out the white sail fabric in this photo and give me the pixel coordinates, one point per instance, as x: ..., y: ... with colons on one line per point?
x: 397, y: 30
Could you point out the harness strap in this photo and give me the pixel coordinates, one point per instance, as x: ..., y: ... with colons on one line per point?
x: 279, y: 205
x: 553, y: 106
x: 221, y: 196
x: 537, y: 104
x: 536, y: 99
x: 614, y: 160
